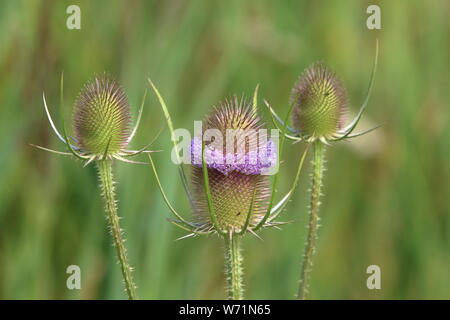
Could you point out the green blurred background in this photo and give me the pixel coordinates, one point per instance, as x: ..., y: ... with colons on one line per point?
x: 387, y: 198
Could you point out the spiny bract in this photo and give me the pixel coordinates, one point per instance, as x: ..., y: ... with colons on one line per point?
x: 102, y: 117
x: 319, y: 100
x: 234, y: 187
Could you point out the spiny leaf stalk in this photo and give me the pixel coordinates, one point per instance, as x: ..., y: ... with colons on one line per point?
x: 108, y: 193
x: 317, y: 176
x: 233, y: 267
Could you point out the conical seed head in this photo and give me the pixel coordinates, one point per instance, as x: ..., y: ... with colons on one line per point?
x: 102, y: 117
x: 233, y: 186
x: 320, y: 101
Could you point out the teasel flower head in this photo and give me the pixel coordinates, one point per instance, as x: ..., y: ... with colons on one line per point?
x: 319, y: 105
x: 102, y: 117
x: 239, y: 190
x: 319, y: 101
x: 231, y: 194
x: 101, y: 123
x: 230, y: 190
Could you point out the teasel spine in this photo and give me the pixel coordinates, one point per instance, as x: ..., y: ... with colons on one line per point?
x: 108, y: 193
x: 313, y: 215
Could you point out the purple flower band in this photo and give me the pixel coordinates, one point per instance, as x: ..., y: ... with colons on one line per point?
x: 253, y: 162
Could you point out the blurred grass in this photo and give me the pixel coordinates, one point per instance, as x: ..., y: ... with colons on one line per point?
x: 387, y: 194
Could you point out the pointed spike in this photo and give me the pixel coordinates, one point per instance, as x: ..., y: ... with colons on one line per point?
x: 275, y: 123
x: 255, y: 99
x: 276, y: 117
x: 50, y: 150
x: 88, y: 161
x: 293, y: 138
x: 186, y: 226
x: 161, y: 189
x: 117, y: 157
x: 142, y: 150
x: 76, y: 154
x: 255, y: 234
x: 50, y: 119
x: 275, y: 179
x: 324, y: 141
x: 278, y: 208
x: 130, y: 153
x: 174, y: 141
x: 280, y: 205
x: 71, y: 149
x: 349, y: 129
x: 186, y: 236
x: 138, y: 120
x: 275, y: 224
x: 359, y: 134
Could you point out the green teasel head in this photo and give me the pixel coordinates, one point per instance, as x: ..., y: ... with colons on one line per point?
x: 101, y: 123
x: 319, y: 103
x: 102, y: 117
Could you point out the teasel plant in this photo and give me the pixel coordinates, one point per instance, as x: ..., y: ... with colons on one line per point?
x: 318, y: 106
x: 229, y: 200
x: 102, y: 127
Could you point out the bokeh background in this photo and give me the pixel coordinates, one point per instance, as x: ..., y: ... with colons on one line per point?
x: 387, y: 198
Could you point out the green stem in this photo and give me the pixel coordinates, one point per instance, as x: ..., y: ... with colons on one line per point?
x: 233, y: 267
x: 318, y: 167
x: 107, y: 186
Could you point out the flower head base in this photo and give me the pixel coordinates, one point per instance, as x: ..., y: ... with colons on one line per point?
x: 102, y: 117
x: 319, y: 100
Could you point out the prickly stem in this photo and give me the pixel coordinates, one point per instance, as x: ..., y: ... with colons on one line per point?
x: 233, y: 267
x: 107, y: 186
x: 317, y: 175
